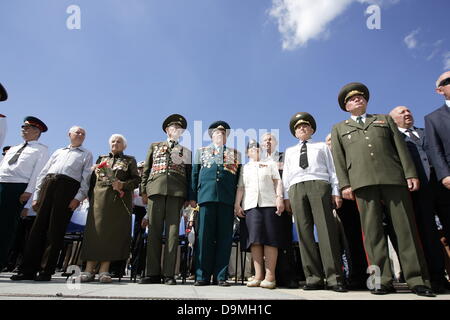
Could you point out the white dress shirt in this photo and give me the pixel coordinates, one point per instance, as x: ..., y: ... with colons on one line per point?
x: 137, y: 199
x: 257, y: 178
x: 75, y: 162
x: 320, y: 166
x: 27, y: 167
x: 403, y: 130
x: 2, y: 130
x: 447, y: 102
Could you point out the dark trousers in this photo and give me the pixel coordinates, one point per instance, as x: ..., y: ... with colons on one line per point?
x: 213, y: 245
x: 442, y: 206
x: 53, y: 216
x: 426, y: 203
x: 351, y: 222
x: 10, y: 209
x: 288, y: 269
x: 18, y: 248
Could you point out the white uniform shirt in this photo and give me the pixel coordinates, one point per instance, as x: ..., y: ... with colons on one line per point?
x: 2, y: 130
x: 259, y: 188
x: 320, y: 166
x: 27, y: 167
x: 75, y: 162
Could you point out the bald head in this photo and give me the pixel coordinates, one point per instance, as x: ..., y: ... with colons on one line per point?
x: 443, y: 88
x: 402, y: 117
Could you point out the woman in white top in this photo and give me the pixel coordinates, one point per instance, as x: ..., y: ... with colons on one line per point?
x: 260, y: 191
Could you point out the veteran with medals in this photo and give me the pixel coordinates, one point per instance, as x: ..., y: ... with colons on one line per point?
x: 374, y: 167
x: 107, y: 236
x: 215, y: 177
x: 165, y: 187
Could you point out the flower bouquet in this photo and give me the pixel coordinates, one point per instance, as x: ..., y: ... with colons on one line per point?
x: 106, y: 174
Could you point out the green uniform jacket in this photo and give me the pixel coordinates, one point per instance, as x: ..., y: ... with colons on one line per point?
x: 215, y: 176
x: 371, y: 155
x: 167, y: 172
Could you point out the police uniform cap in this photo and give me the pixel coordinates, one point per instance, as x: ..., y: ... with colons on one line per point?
x: 174, y: 119
x: 350, y: 90
x: 219, y: 125
x: 35, y: 122
x: 299, y: 118
x: 3, y: 93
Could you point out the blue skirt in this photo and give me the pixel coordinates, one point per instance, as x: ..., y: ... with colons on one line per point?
x: 262, y: 226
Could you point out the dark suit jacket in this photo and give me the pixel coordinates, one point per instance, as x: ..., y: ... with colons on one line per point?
x: 437, y: 129
x: 419, y: 155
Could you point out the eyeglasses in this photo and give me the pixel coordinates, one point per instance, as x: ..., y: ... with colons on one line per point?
x: 444, y: 82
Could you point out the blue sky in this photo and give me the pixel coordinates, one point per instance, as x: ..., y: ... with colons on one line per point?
x: 134, y: 62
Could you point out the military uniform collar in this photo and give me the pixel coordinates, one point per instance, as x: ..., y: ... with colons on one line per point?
x: 363, y: 117
x: 369, y: 119
x: 118, y: 155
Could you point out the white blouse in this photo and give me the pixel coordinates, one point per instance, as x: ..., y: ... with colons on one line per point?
x: 257, y: 179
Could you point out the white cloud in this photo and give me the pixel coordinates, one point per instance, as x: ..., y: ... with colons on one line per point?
x: 447, y: 60
x: 410, y: 40
x: 302, y: 20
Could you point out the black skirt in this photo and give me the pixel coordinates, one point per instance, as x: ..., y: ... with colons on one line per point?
x: 262, y: 226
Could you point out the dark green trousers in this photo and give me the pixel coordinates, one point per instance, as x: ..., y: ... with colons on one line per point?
x: 215, y: 236
x: 311, y: 205
x: 399, y: 211
x: 10, y: 209
x: 163, y: 214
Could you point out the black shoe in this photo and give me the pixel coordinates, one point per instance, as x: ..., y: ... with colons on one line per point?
x: 43, y: 277
x: 313, y: 287
x: 223, y: 283
x: 423, y: 291
x: 169, y: 281
x: 200, y: 283
x: 338, y: 288
x: 383, y: 290
x: 23, y: 276
x: 150, y: 280
x: 292, y: 284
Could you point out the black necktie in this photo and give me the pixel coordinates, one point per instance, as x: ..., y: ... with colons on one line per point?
x: 172, y: 144
x: 412, y: 135
x: 303, y: 156
x: 360, y: 122
x: 17, y: 155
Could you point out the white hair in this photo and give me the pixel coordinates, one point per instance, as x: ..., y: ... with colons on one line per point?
x: 117, y: 135
x: 270, y: 134
x: 74, y: 129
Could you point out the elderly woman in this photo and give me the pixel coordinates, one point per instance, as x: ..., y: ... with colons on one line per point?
x: 261, y: 192
x: 107, y: 235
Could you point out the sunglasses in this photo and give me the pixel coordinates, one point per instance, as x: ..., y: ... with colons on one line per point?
x: 444, y: 82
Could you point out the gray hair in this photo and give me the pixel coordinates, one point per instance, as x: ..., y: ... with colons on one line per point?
x: 74, y: 129
x: 270, y: 134
x: 117, y: 135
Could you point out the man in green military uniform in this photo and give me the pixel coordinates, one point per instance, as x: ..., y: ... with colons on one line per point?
x: 374, y: 166
x: 215, y: 176
x: 166, y: 187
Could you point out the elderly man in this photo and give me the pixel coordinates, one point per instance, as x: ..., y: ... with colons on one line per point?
x: 62, y: 184
x: 437, y: 129
x: 215, y: 175
x: 3, y: 97
x: 18, y: 173
x: 426, y: 200
x: 165, y: 187
x: 373, y: 165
